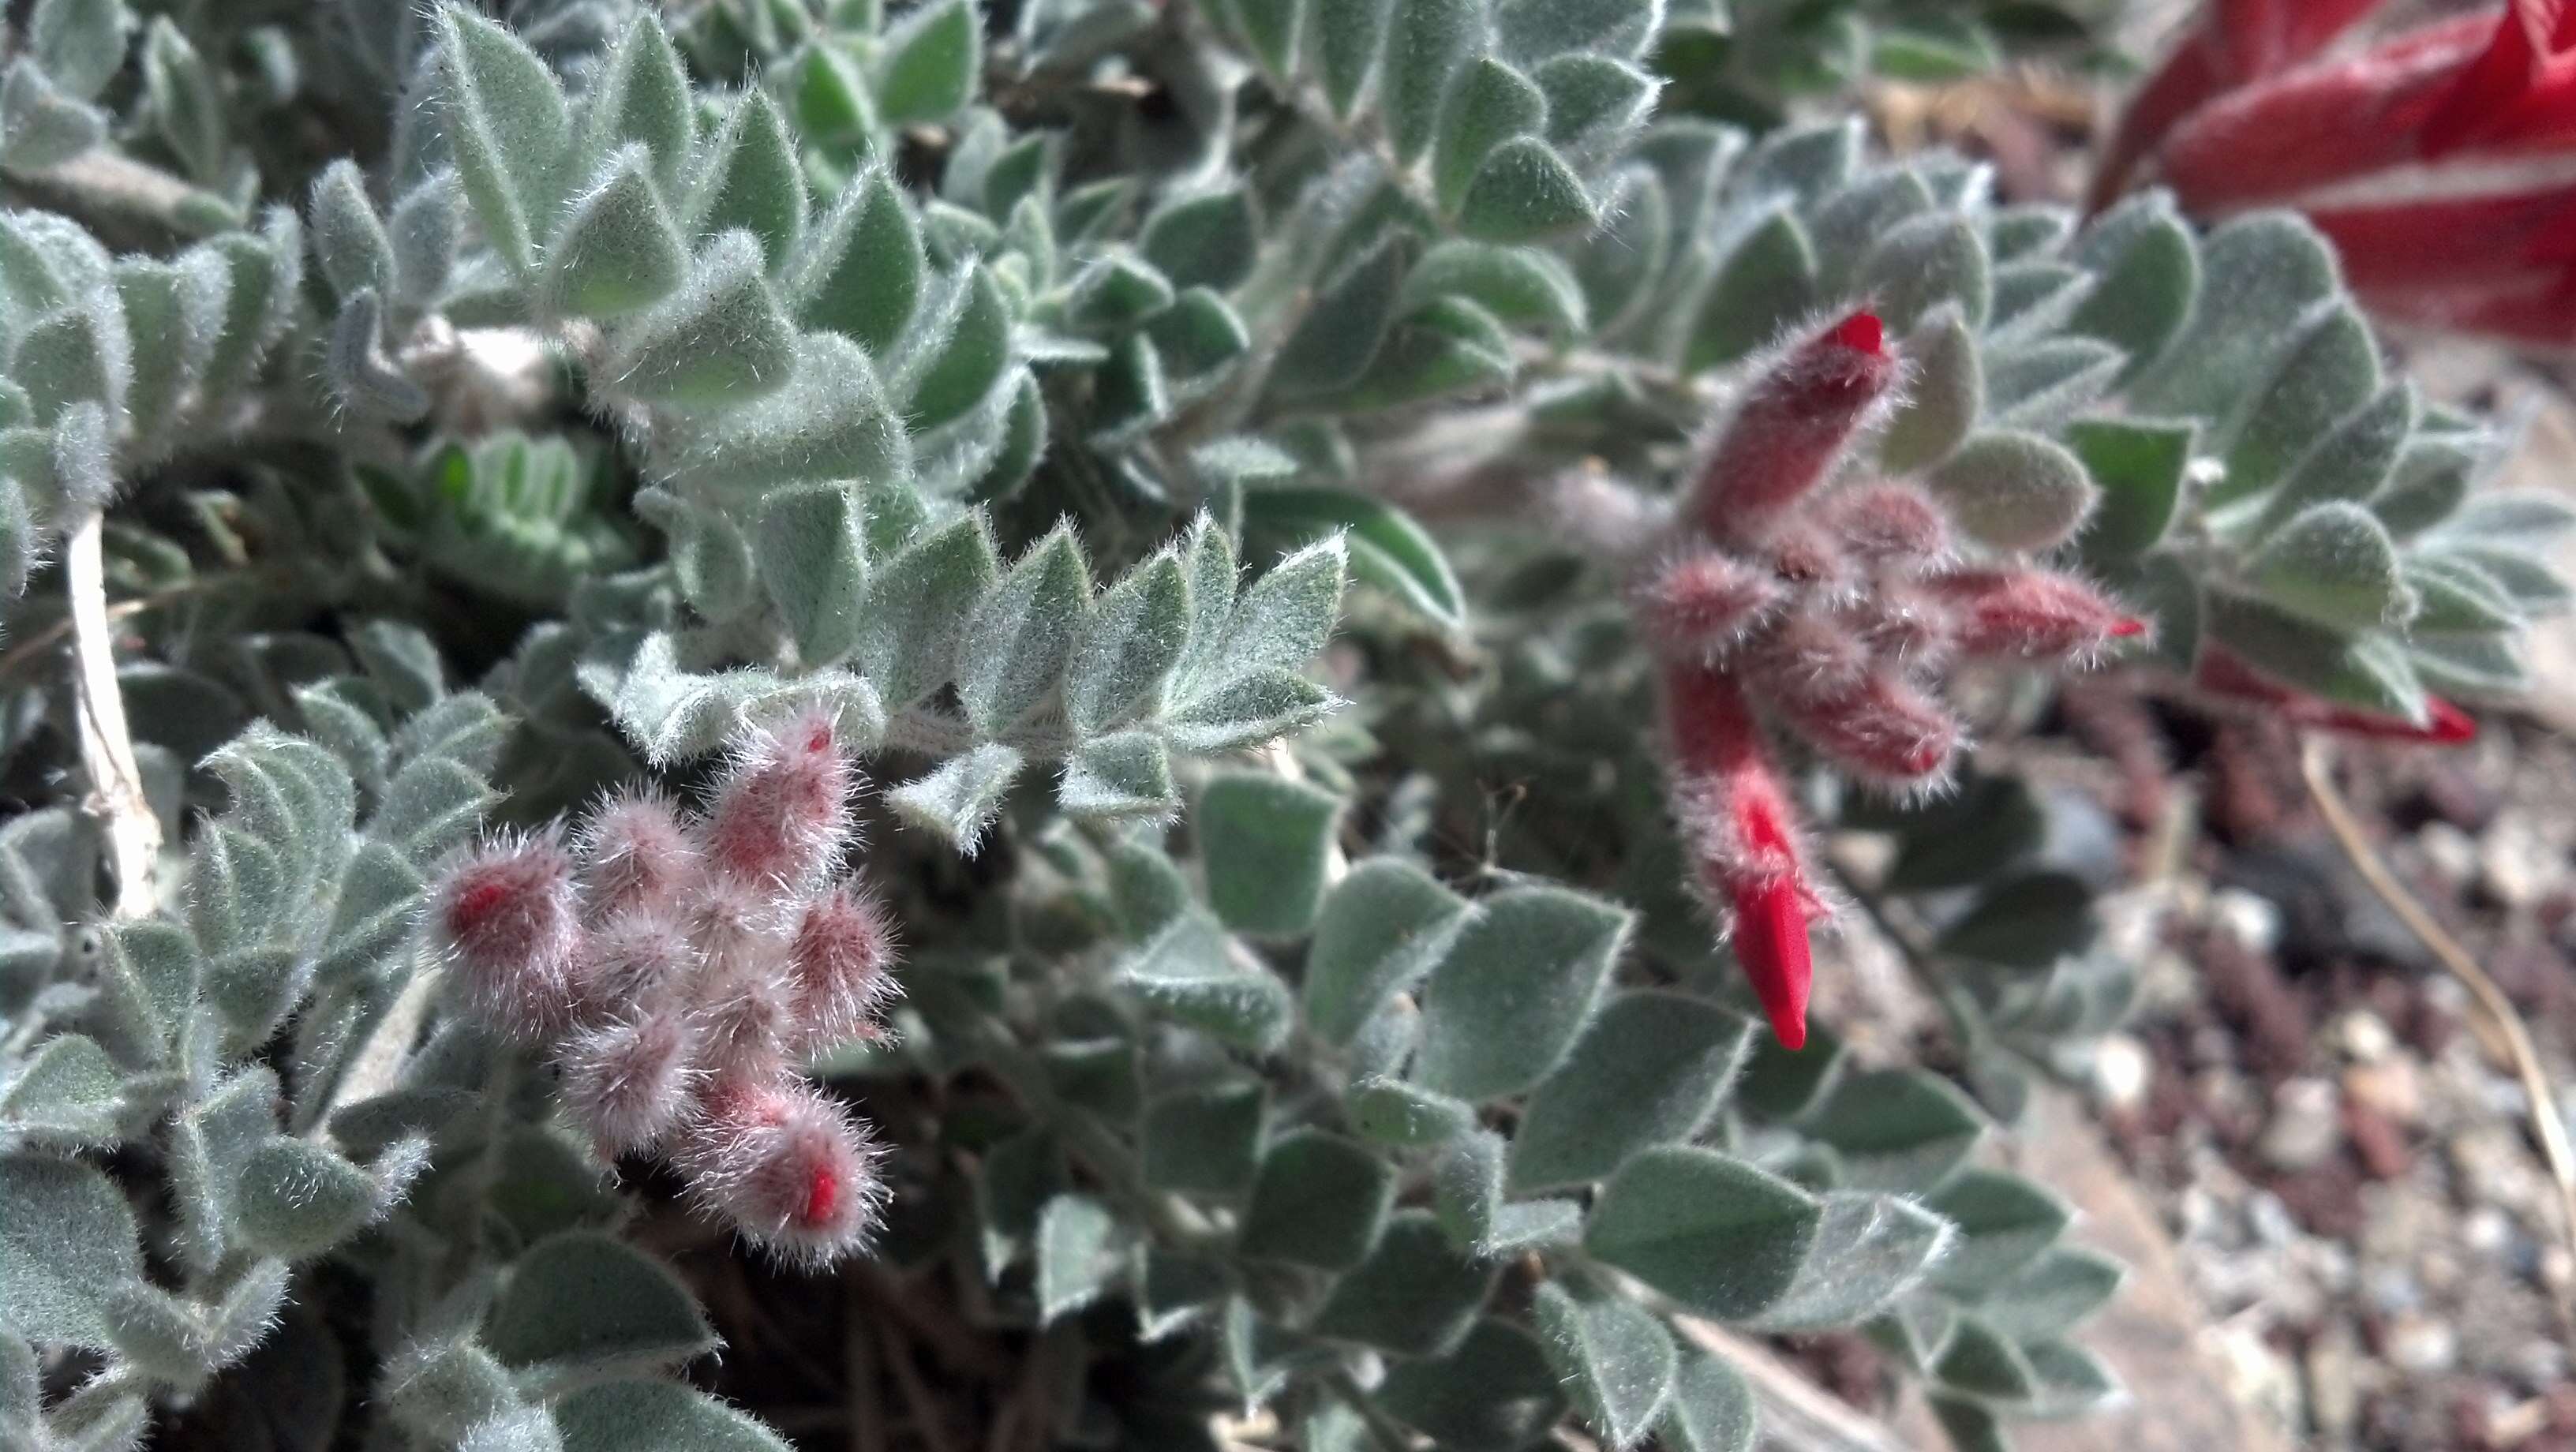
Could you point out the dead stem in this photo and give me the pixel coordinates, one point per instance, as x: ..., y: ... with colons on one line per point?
x: 2317, y: 766
x: 116, y: 796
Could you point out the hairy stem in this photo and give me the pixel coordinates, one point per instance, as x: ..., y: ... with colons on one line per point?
x: 116, y: 796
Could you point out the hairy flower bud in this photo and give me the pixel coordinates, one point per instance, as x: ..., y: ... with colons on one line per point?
x: 631, y: 962
x: 630, y: 1082
x: 838, y: 963
x: 2032, y: 614
x: 1792, y: 427
x: 746, y: 1016
x: 1884, y: 729
x: 1736, y: 818
x: 782, y: 810
x: 1703, y: 603
x: 506, y: 916
x: 1889, y: 524
x: 636, y: 854
x: 788, y: 1166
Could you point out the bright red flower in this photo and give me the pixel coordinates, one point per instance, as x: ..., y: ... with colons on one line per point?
x: 2222, y: 673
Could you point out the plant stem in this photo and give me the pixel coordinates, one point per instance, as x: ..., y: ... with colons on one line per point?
x: 2316, y: 766
x: 116, y: 796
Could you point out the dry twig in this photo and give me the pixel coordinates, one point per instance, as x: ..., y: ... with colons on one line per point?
x: 116, y: 795
x: 2316, y: 765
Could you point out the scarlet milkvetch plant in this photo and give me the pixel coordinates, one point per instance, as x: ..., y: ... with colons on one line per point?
x: 677, y: 967
x: 2429, y: 155
x: 1783, y: 599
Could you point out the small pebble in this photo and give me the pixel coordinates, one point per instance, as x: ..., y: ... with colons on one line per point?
x: 2304, y: 1129
x: 2421, y: 1344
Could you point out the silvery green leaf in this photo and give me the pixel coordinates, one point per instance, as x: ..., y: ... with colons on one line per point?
x: 1123, y: 774
x: 2138, y: 465
x: 423, y: 233
x: 1521, y: 285
x: 1333, y: 345
x: 1806, y: 162
x: 440, y: 1389
x: 642, y: 98
x: 861, y: 271
x: 1594, y: 104
x: 1115, y: 293
x: 1204, y: 1141
x: 44, y: 127
x: 1127, y: 645
x: 1524, y: 191
x: 1189, y: 972
x: 963, y: 363
x: 1318, y: 1200
x: 1495, y: 1390
x: 1412, y: 1296
x: 2335, y: 564
x: 2028, y: 231
x: 296, y: 1199
x: 69, y: 1239
x: 1278, y: 625
x: 2476, y: 666
x: 1649, y: 1070
x: 917, y: 608
x: 2042, y: 385
x: 1619, y: 1359
x: 1618, y: 262
x: 1078, y: 1254
x: 931, y: 63
x: 1489, y: 103
x: 2352, y: 461
x: 630, y: 1416
x: 1768, y: 277
x: 66, y: 1091
x: 829, y: 420
x: 1515, y: 989
x: 1947, y: 394
x: 1712, y: 1410
x: 1022, y: 630
x: 84, y: 457
x: 813, y: 561
x: 752, y: 180
x: 507, y: 128
x: 1533, y: 30
x: 2147, y: 273
x: 1207, y: 239
x: 2455, y: 595
x: 1895, y: 1129
x: 1868, y: 1250
x: 2004, y: 1223
x: 348, y: 237
x: 80, y: 43
x: 1264, y: 841
x: 582, y: 1306
x: 709, y: 557
x: 1348, y: 38
x: 2260, y: 275
x: 1925, y: 262
x: 1384, y: 926
x: 1392, y: 1112
x: 957, y: 801
x: 518, y: 1429
x: 2051, y: 1294
x: 75, y: 356
x: 361, y: 377
x: 2015, y: 491
x: 617, y: 250
x: 2361, y: 670
x: 186, y: 100
x: 1388, y: 549
x: 1717, y: 1235
x: 721, y: 339
x: 1426, y: 41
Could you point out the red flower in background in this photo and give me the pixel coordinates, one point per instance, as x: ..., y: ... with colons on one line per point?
x: 2385, y: 148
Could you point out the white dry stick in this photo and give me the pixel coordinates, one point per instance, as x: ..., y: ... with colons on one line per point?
x: 116, y: 795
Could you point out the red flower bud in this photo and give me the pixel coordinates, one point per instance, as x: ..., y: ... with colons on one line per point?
x: 2032, y: 614
x: 1735, y: 817
x: 782, y: 810
x: 746, y: 1016
x: 1792, y: 427
x: 636, y: 854
x: 630, y: 963
x: 1889, y: 523
x: 630, y: 1082
x: 505, y: 913
x: 789, y: 1167
x: 839, y: 962
x: 2220, y: 672
x: 1884, y: 730
x: 1703, y: 603
x: 1810, y: 654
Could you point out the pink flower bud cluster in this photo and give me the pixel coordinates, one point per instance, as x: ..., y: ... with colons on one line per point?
x: 1778, y: 596
x: 675, y: 968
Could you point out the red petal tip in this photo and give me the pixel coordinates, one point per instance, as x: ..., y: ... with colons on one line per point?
x: 2450, y: 725
x: 1861, y: 332
x: 2126, y: 626
x: 822, y: 1194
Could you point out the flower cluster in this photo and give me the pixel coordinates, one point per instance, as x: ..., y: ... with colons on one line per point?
x: 2413, y: 153
x: 676, y: 969
x: 1778, y: 599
